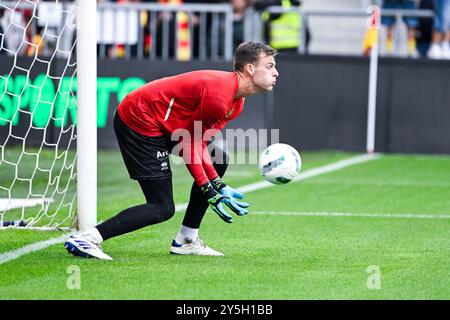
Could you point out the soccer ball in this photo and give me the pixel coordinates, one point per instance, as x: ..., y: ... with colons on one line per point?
x: 279, y: 163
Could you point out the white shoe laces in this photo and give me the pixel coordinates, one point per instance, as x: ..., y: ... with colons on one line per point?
x: 201, y: 243
x: 92, y: 239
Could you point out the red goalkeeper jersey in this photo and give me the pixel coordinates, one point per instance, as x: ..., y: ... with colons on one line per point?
x: 163, y: 106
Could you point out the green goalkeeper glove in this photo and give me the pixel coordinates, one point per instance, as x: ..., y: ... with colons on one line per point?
x: 216, y: 199
x: 231, y: 193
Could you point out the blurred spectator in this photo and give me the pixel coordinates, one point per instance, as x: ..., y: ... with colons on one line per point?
x: 168, y: 20
x: 282, y: 31
x: 195, y: 24
x: 3, y: 43
x: 176, y: 23
x: 239, y: 7
x: 13, y: 26
x: 176, y: 33
x: 440, y: 47
x: 411, y: 24
x: 424, y: 29
x: 118, y: 50
x: 109, y: 48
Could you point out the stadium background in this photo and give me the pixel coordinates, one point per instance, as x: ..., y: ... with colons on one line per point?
x: 321, y: 97
x: 319, y: 102
x: 321, y: 237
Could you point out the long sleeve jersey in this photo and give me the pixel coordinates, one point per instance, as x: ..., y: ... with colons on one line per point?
x: 179, y: 104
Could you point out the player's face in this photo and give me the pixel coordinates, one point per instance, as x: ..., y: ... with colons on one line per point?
x: 265, y: 74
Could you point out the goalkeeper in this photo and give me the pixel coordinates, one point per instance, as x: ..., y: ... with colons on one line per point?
x: 177, y: 113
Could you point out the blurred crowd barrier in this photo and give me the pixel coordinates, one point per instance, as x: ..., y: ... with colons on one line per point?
x: 192, y: 31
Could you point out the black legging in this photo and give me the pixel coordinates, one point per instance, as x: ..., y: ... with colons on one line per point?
x: 160, y: 206
x: 197, y: 203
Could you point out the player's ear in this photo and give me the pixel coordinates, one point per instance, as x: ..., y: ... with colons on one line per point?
x: 250, y: 68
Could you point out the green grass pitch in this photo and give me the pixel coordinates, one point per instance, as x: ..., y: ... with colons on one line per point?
x: 320, y: 238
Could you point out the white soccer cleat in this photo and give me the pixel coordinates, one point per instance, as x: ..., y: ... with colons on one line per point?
x: 85, y: 246
x: 198, y: 248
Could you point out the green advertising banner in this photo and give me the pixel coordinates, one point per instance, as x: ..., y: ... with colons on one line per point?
x: 38, y: 98
x: 50, y: 101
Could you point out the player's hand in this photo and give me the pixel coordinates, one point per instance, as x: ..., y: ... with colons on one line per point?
x: 216, y: 201
x: 231, y: 193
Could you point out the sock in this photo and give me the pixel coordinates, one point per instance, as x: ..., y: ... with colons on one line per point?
x: 94, y: 234
x: 186, y: 235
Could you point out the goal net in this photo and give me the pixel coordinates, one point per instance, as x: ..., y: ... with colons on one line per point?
x: 38, y: 114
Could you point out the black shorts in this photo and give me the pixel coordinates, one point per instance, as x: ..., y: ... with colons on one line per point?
x: 146, y: 158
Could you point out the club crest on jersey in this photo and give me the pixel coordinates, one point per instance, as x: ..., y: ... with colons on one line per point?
x: 160, y: 154
x: 229, y: 113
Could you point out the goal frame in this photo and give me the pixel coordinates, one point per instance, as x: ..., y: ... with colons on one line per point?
x: 86, y: 114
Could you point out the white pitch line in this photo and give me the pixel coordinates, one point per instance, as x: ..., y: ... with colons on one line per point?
x: 12, y: 255
x: 358, y: 182
x: 348, y: 214
x: 315, y: 172
x: 341, y: 164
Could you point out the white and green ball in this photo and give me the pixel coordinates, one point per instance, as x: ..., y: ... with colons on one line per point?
x: 279, y: 163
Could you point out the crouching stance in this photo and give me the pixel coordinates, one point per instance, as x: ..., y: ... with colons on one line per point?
x: 177, y: 113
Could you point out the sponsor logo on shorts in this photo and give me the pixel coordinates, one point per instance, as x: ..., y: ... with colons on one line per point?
x: 160, y: 154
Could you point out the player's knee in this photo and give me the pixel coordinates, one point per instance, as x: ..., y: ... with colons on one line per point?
x: 170, y: 210
x: 160, y: 209
x: 167, y: 210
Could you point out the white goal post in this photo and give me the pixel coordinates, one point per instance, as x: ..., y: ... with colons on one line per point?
x: 87, y: 114
x: 48, y: 114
